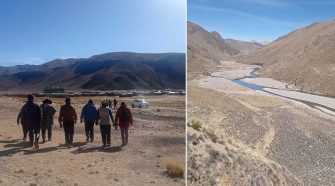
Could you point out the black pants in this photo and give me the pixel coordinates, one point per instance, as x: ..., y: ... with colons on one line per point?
x: 124, y: 135
x: 24, y: 130
x: 89, y: 129
x: 68, y: 130
x: 105, y: 134
x: 49, y: 128
x: 34, y: 133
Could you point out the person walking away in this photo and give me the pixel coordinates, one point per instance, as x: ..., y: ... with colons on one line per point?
x: 48, y: 113
x: 123, y: 118
x: 105, y: 117
x: 67, y: 119
x: 109, y: 103
x: 115, y: 103
x: 24, y: 126
x: 90, y: 115
x: 31, y: 115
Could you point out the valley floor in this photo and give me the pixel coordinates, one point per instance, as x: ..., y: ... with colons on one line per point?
x: 155, y: 136
x: 251, y: 137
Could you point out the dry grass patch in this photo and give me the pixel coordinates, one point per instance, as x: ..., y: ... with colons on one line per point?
x: 174, y: 167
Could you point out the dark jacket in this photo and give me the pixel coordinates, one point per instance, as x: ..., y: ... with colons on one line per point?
x: 48, y: 113
x: 89, y: 113
x: 119, y: 115
x: 67, y: 114
x: 31, y: 114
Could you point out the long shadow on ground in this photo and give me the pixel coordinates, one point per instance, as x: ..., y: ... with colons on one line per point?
x: 97, y: 149
x: 17, y: 146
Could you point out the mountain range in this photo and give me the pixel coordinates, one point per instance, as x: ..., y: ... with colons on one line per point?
x: 109, y: 71
x: 304, y: 57
x: 206, y: 49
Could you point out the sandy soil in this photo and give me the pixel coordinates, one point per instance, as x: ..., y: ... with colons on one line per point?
x: 153, y: 137
x: 250, y: 137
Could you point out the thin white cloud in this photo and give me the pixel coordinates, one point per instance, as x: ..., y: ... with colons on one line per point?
x: 263, y: 2
x: 30, y: 60
x: 248, y: 15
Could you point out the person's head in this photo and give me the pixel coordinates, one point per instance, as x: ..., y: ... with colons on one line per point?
x: 123, y: 104
x: 30, y: 97
x: 47, y: 101
x: 90, y: 101
x: 68, y: 100
x: 104, y: 104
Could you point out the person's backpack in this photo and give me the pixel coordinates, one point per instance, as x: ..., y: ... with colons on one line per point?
x: 125, y: 116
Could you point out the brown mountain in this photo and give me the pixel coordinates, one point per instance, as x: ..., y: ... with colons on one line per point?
x: 304, y: 57
x: 206, y: 49
x: 117, y: 70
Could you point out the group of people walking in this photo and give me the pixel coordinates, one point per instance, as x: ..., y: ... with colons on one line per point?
x: 35, y: 118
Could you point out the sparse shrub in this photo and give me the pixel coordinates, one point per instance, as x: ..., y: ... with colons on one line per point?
x: 196, y: 125
x: 214, y: 153
x: 195, y: 139
x: 174, y: 168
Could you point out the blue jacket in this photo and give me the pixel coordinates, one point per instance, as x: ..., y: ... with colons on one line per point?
x: 89, y: 113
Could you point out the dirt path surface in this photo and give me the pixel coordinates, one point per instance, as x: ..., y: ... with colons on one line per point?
x: 249, y: 137
x: 155, y: 135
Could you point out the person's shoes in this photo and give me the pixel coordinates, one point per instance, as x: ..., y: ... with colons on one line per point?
x: 43, y: 140
x: 49, y: 139
x: 36, y: 145
x: 104, y: 145
x: 108, y: 144
x: 91, y: 140
x: 31, y: 144
x: 24, y: 139
x: 87, y: 139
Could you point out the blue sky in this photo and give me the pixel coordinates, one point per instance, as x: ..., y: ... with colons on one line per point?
x: 37, y: 31
x: 261, y: 20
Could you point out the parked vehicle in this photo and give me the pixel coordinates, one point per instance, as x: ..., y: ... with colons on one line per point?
x: 140, y: 103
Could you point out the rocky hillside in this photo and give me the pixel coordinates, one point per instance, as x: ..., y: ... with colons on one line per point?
x: 206, y: 49
x: 119, y: 70
x: 304, y: 58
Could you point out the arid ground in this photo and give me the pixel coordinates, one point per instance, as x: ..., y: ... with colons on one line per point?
x: 243, y: 136
x: 158, y: 133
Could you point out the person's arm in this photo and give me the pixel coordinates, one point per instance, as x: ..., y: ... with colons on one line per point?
x: 111, y: 116
x: 60, y: 118
x: 98, y: 117
x: 19, y: 118
x: 39, y: 113
x: 82, y: 115
x: 131, y: 117
x: 74, y: 115
x: 117, y: 115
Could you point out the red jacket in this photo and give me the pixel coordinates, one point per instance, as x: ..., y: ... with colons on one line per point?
x: 118, y: 120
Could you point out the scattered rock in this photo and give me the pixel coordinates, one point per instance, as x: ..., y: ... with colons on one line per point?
x: 158, y: 165
x: 76, y: 184
x: 152, y: 182
x: 95, y: 162
x: 116, y: 179
x: 33, y: 184
x: 89, y: 165
x: 20, y: 171
x: 158, y: 156
x: 92, y: 172
x: 36, y: 173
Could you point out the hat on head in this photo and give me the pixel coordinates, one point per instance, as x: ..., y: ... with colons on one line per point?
x: 104, y: 103
x: 90, y: 101
x: 123, y: 104
x: 47, y: 101
x: 68, y: 100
